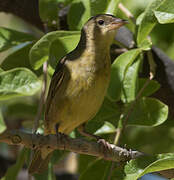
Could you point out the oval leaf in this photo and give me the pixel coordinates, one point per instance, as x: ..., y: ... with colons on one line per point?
x: 148, y: 112
x: 98, y: 7
x: 18, y: 82
x: 118, y: 69
x: 112, y: 7
x: 13, y: 171
x: 164, y: 17
x: 130, y: 82
x: 144, y: 165
x: 19, y: 58
x: 139, y: 19
x: 165, y: 12
x: 106, y: 129
x: 10, y: 38
x: 109, y: 111
x: 101, y: 167
x: 152, y: 87
x: 39, y: 53
x: 81, y: 10
x: 146, y: 45
x: 148, y: 21
x: 48, y: 11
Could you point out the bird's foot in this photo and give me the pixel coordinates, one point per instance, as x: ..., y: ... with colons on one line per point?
x: 61, y: 137
x: 104, y: 145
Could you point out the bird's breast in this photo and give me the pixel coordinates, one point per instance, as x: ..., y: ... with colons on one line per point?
x: 83, y: 94
x: 91, y: 72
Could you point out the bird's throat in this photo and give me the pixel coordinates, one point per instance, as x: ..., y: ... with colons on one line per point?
x: 94, y: 44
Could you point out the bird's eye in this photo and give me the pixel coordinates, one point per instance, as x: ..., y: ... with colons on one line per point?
x: 101, y: 22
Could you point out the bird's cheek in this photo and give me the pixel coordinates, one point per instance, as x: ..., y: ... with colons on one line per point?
x: 112, y: 28
x: 112, y: 33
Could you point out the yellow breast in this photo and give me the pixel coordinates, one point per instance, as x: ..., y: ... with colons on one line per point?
x: 83, y: 94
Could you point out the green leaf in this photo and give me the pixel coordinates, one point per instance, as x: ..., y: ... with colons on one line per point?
x: 1, y: 70
x: 165, y: 12
x: 90, y: 168
x: 148, y: 21
x: 19, y: 58
x: 148, y: 112
x: 146, y: 45
x: 98, y: 7
x: 106, y: 129
x: 22, y: 110
x: 152, y: 87
x: 135, y: 167
x: 66, y: 41
x: 10, y: 38
x: 144, y: 165
x: 139, y: 19
x: 13, y: 171
x: 79, y: 13
x: 2, y: 123
x: 47, y: 175
x: 58, y: 155
x: 65, y: 2
x: 118, y: 69
x: 164, y: 17
x: 95, y: 170
x: 59, y: 48
x: 85, y: 161
x: 48, y: 11
x: 112, y: 7
x: 130, y: 82
x: 18, y: 82
x: 109, y: 111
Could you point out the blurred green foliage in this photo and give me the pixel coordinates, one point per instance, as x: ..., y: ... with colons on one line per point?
x: 20, y: 83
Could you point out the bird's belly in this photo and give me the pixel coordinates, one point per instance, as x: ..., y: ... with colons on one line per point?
x: 83, y: 103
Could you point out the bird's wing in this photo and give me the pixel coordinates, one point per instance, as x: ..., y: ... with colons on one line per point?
x: 55, y: 84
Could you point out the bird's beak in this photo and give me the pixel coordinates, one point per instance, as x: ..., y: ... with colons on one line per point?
x: 117, y: 23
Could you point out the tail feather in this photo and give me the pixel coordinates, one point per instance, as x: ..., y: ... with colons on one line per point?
x: 38, y: 164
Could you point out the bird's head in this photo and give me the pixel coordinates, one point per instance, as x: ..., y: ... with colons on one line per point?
x: 103, y: 27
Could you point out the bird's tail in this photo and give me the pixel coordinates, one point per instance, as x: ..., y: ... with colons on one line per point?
x: 38, y: 164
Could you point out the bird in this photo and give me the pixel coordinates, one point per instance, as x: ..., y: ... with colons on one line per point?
x: 79, y: 83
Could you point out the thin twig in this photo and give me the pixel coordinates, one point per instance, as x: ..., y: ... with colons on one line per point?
x: 151, y: 64
x: 119, y: 131
x: 42, y: 99
x: 116, y: 142
x: 40, y: 107
x: 127, y: 12
x: 151, y: 76
x: 43, y: 92
x: 123, y: 119
x: 121, y: 123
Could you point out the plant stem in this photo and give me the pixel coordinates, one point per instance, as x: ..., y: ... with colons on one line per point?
x: 127, y: 12
x: 42, y: 98
x: 123, y: 119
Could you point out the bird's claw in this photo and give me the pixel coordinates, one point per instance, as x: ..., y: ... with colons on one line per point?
x: 105, y: 146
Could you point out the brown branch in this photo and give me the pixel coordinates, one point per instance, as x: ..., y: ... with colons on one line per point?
x: 52, y: 142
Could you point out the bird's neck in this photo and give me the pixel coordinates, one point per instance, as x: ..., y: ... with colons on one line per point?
x: 93, y: 44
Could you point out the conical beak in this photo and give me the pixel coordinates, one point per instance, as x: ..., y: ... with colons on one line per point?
x: 117, y: 23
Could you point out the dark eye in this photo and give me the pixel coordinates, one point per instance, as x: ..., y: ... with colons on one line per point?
x: 101, y: 22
